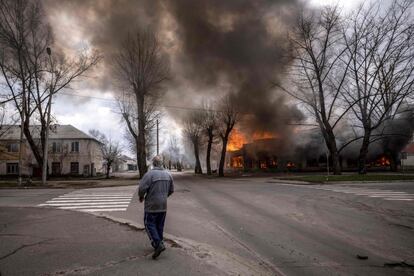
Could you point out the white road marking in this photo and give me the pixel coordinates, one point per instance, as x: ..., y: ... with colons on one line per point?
x: 377, y: 194
x: 83, y: 203
x: 103, y: 210
x: 87, y: 201
x: 95, y: 195
x: 382, y: 193
x: 402, y: 199
x: 95, y: 206
x: 374, y: 193
x: 91, y: 197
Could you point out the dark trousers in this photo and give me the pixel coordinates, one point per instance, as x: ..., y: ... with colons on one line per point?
x: 154, y: 224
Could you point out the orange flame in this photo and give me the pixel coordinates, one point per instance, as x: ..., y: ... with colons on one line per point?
x: 290, y: 165
x: 236, y: 140
x: 237, y: 162
x: 383, y: 162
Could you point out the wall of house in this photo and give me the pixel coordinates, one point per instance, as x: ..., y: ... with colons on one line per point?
x: 120, y: 166
x: 13, y: 157
x: 409, y: 162
x: 89, y: 157
x: 89, y: 153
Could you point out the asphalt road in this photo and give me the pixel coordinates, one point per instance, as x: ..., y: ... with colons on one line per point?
x: 290, y: 229
x: 36, y: 241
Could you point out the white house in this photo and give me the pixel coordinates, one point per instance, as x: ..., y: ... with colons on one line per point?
x: 71, y: 152
x: 125, y: 163
x: 407, y: 156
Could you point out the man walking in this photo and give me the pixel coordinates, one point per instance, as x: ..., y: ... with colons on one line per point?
x: 155, y: 187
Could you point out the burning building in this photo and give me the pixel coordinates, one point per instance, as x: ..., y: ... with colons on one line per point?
x: 267, y: 151
x: 263, y: 150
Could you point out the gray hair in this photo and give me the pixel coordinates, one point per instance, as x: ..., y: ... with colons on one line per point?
x: 157, y: 161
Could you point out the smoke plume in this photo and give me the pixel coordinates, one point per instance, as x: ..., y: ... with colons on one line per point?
x: 214, y: 47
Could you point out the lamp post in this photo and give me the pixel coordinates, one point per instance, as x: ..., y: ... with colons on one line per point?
x: 47, y: 110
x: 21, y: 143
x: 158, y: 141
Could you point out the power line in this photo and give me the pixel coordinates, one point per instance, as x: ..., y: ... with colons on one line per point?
x: 164, y: 106
x: 114, y: 100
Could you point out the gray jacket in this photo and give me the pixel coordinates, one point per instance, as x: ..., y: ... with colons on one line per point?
x: 155, y: 187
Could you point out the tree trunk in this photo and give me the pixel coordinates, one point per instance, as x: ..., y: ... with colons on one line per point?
x: 45, y: 141
x: 108, y: 168
x: 210, y: 142
x: 393, y: 162
x: 363, y: 152
x: 336, y: 165
x: 330, y: 142
x: 137, y: 161
x: 141, y: 147
x: 32, y: 144
x: 223, y: 154
x: 333, y: 151
x: 197, y: 168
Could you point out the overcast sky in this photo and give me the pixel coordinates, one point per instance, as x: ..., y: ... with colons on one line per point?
x: 96, y: 108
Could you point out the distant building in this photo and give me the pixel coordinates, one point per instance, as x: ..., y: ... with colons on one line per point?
x: 71, y: 152
x: 407, y: 156
x: 125, y: 163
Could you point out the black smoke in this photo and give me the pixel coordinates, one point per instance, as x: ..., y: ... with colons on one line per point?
x: 215, y: 47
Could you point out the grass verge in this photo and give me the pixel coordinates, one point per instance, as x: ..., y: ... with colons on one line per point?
x: 351, y: 177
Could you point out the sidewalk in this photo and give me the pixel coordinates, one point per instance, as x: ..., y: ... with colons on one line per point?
x: 36, y: 241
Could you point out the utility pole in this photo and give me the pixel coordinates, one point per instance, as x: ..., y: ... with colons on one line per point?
x: 158, y: 141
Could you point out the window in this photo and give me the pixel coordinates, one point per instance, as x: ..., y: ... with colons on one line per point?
x: 74, y: 167
x: 12, y: 168
x: 14, y: 147
x: 75, y: 147
x: 56, y: 168
x: 56, y: 147
x: 86, y: 170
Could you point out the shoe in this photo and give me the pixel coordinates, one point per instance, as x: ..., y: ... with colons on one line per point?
x: 158, y: 250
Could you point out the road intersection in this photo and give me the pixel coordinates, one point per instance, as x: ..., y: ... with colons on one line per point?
x: 288, y: 229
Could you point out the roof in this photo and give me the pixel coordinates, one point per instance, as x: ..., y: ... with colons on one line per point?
x: 409, y: 148
x: 126, y: 158
x: 57, y: 132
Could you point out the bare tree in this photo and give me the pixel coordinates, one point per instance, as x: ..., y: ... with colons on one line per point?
x: 111, y: 151
x: 174, y: 152
x: 318, y: 73
x: 193, y: 130
x: 228, y: 116
x: 210, y: 128
x: 30, y: 72
x: 6, y: 120
x: 2, y: 119
x: 142, y: 69
x: 380, y: 47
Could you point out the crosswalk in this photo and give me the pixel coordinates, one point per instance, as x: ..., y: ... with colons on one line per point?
x: 372, y: 193
x: 90, y: 201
